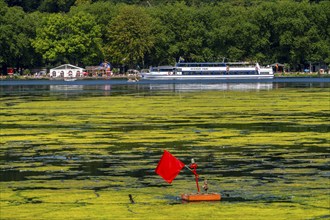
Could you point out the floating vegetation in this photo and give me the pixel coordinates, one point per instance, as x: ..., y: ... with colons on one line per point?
x: 82, y: 156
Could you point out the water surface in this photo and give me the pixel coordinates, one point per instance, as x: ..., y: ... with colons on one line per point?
x: 257, y: 143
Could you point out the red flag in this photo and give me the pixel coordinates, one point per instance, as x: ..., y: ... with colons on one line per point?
x: 169, y: 167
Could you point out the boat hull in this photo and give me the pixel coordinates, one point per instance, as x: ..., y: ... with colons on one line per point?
x: 201, y: 197
x: 208, y: 77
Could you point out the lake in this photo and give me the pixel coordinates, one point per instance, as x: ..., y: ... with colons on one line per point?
x: 80, y: 148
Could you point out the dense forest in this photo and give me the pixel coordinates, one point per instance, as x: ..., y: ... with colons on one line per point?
x: 139, y: 33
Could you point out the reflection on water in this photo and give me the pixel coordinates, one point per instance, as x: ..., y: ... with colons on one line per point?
x: 115, y: 87
x: 72, y: 90
x: 219, y: 86
x: 172, y: 87
x: 65, y: 87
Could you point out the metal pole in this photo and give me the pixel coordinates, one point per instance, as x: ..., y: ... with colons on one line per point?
x: 196, y: 178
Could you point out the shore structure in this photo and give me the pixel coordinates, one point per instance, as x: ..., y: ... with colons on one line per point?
x: 66, y: 71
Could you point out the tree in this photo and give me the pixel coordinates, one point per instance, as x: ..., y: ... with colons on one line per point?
x: 180, y: 30
x: 75, y: 39
x: 103, y: 12
x: 56, y: 5
x: 16, y: 31
x: 319, y: 33
x: 167, y: 26
x: 302, y: 33
x: 236, y: 35
x: 27, y: 5
x: 192, y: 32
x: 129, y: 36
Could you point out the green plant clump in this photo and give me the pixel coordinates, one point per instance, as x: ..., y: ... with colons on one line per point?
x: 264, y: 151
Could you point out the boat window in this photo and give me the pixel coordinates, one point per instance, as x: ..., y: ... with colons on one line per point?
x: 182, y: 64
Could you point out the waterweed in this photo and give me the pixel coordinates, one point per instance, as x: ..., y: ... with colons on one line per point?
x: 263, y: 151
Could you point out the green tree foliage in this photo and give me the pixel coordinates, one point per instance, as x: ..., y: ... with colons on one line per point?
x: 103, y: 13
x: 235, y: 36
x: 62, y: 38
x: 180, y: 30
x: 16, y: 30
x: 82, y: 2
x: 319, y: 33
x: 297, y: 37
x: 27, y: 5
x: 129, y: 36
x: 169, y: 27
x: 56, y: 5
x: 154, y: 32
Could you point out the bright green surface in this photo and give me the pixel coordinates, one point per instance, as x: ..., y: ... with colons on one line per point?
x: 264, y: 151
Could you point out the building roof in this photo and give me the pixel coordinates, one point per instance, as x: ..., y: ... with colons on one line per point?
x: 66, y: 66
x: 278, y: 64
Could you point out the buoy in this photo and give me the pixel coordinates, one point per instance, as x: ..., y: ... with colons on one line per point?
x: 197, y: 197
x: 169, y: 167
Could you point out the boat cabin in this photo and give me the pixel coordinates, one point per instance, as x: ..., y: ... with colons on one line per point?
x: 166, y: 70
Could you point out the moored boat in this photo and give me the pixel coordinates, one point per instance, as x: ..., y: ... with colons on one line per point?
x: 240, y: 70
x: 70, y: 79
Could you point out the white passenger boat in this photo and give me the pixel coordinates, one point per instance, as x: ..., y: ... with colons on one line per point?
x: 240, y: 70
x: 70, y: 79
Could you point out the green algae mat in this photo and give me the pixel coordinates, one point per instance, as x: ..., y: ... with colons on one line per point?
x: 71, y: 156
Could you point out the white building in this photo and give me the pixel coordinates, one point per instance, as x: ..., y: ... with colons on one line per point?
x: 66, y: 70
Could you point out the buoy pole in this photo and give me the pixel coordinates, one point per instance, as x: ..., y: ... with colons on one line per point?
x: 196, y: 178
x: 192, y: 167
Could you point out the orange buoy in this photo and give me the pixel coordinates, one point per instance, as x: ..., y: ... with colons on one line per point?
x: 169, y: 167
x: 201, y: 197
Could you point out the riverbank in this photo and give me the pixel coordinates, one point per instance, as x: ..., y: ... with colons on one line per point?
x: 300, y: 74
x: 33, y: 77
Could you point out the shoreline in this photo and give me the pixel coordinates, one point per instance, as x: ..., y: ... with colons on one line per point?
x: 135, y: 77
x: 125, y: 81
x: 16, y: 77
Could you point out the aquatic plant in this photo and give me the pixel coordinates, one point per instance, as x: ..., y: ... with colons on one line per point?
x: 264, y: 151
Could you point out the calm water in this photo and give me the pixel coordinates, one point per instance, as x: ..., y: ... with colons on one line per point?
x: 258, y: 164
x: 114, y: 87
